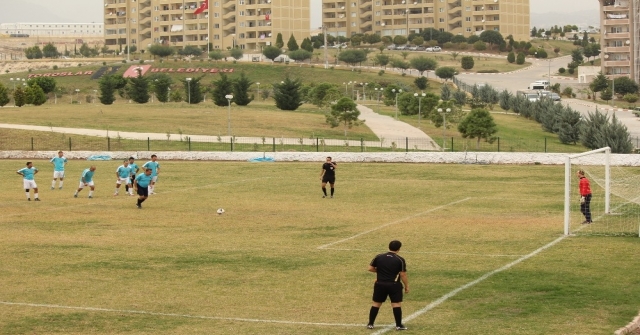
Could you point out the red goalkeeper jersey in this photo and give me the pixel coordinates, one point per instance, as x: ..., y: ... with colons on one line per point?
x: 585, y: 189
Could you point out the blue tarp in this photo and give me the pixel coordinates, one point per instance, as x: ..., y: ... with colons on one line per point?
x: 262, y: 159
x: 99, y: 158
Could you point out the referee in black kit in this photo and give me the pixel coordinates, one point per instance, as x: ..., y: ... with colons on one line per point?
x: 390, y: 269
x: 328, y: 175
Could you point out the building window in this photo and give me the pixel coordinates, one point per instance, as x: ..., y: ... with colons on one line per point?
x: 441, y: 20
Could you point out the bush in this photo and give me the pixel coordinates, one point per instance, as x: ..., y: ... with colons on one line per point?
x: 488, y: 71
x: 55, y: 67
x: 447, y: 45
x: 562, y: 70
x: 467, y: 62
x: 480, y: 46
x: 511, y: 57
x: 520, y: 59
x: 630, y: 98
x: 380, y: 73
x: 571, y: 70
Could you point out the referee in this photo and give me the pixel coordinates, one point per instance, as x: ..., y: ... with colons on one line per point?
x: 390, y: 269
x: 328, y: 175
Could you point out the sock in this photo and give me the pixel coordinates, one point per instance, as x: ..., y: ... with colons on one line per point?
x: 332, y: 191
x: 90, y: 193
x: 397, y: 314
x: 142, y: 200
x: 35, y: 195
x: 139, y: 201
x: 151, y: 189
x: 61, y: 183
x: 76, y: 193
x: 27, y: 193
x: 373, y: 313
x: 117, y: 189
x: 126, y: 188
x: 53, y: 183
x: 324, y: 190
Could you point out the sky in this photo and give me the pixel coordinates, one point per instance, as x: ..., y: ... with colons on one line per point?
x: 81, y: 11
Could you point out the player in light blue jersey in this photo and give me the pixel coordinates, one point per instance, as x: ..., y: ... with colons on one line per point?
x: 134, y: 170
x: 28, y: 180
x: 58, y: 169
x: 155, y: 171
x: 86, y: 180
x: 142, y: 184
x: 123, y: 174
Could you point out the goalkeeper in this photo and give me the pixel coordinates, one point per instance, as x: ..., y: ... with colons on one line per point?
x: 585, y: 197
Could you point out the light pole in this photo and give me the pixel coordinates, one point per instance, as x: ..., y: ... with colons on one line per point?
x: 77, y: 95
x: 229, y: 97
x: 444, y: 125
x: 345, y: 87
x: 189, y: 88
x: 378, y: 91
x: 419, y: 96
x: 258, y: 90
x: 396, y: 92
x: 14, y: 83
x: 95, y: 94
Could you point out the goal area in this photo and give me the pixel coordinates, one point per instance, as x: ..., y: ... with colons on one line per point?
x: 615, y: 204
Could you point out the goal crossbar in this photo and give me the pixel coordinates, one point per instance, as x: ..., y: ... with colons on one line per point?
x: 567, y: 183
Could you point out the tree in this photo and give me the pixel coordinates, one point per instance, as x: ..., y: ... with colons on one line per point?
x: 399, y: 40
x: 190, y: 50
x: 216, y: 55
x: 47, y: 84
x: 606, y: 94
x: 534, y: 32
x: 19, y: 97
x: 576, y: 56
x: 423, y: 64
x: 344, y: 112
x: 625, y: 85
x: 271, y: 52
x: 478, y: 124
x: 352, y: 56
x: 192, y: 90
x: 445, y: 72
x: 139, y: 89
x: 520, y: 59
x: 241, y: 88
x: 50, y: 51
x: 300, y: 55
x: 108, y: 85
x: 306, y: 45
x: 568, y: 126
x: 466, y: 62
x: 421, y: 83
x: 599, y: 83
x: 356, y: 40
x: 161, y: 51
x: 221, y: 88
x: 236, y: 53
x: 161, y: 84
x: 279, y: 41
x: 630, y: 98
x: 382, y: 60
x: 287, y: 94
x: 445, y: 92
x: 4, y: 96
x: 511, y: 57
x: 400, y: 64
x: 33, y: 52
x: 505, y: 99
x: 292, y: 44
x: 85, y: 51
x: 324, y: 94
x: 459, y: 97
x: 417, y: 41
x: 492, y: 37
x: 599, y: 131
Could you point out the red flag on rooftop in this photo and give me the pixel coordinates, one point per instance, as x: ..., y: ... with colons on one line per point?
x: 202, y: 8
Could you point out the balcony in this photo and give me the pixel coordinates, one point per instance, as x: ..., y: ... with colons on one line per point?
x: 622, y: 35
x: 624, y: 49
x: 617, y: 63
x: 614, y: 8
x: 616, y: 22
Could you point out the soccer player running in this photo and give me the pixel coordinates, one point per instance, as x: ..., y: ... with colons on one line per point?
x: 390, y: 269
x: 28, y: 180
x: 134, y: 169
x: 585, y: 197
x: 86, y: 180
x: 328, y: 175
x: 142, y: 184
x: 123, y: 174
x: 58, y: 169
x: 155, y: 171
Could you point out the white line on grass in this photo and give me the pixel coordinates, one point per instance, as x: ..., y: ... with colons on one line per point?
x: 95, y: 309
x: 430, y: 253
x: 392, y: 223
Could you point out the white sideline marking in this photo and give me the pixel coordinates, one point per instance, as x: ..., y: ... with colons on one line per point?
x: 392, y: 223
x: 469, y: 284
x: 430, y: 253
x: 96, y: 309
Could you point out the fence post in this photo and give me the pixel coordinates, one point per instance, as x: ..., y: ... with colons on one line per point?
x: 148, y: 144
x: 231, y: 143
x: 32, y: 144
x: 545, y: 144
x: 498, y: 143
x: 274, y: 144
x: 189, y: 141
x: 361, y: 144
x: 317, y: 144
x: 108, y: 143
x: 406, y: 144
x: 69, y: 143
x: 451, y: 143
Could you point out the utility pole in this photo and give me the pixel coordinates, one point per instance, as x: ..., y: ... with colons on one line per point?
x: 326, y: 57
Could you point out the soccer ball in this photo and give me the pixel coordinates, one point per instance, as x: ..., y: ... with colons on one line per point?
x: 220, y: 211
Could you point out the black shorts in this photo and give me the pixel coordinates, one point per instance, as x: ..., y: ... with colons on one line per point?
x: 143, y: 191
x: 382, y: 290
x: 330, y: 180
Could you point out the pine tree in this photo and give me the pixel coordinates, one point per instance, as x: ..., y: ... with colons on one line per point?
x: 279, y: 41
x: 292, y: 45
x: 599, y: 131
x: 108, y: 85
x: 306, y: 45
x: 19, y: 97
x: 161, y: 86
x: 287, y: 94
x: 4, y: 96
x: 221, y: 88
x: 568, y: 126
x: 139, y: 89
x: 241, y: 90
x: 192, y: 90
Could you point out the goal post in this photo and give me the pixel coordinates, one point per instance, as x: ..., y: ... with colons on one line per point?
x: 567, y: 183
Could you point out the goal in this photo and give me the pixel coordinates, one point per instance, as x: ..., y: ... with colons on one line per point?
x: 615, y: 204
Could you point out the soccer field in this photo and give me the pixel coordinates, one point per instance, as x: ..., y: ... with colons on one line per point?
x: 483, y: 245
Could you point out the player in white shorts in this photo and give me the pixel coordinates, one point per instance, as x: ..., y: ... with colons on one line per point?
x: 58, y: 169
x: 29, y: 182
x: 123, y: 174
x: 155, y: 171
x: 86, y: 180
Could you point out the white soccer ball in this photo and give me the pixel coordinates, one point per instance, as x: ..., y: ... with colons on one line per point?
x: 220, y: 211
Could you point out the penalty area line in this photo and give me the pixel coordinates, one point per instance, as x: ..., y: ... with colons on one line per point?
x: 176, y: 315
x: 431, y: 253
x: 393, y: 222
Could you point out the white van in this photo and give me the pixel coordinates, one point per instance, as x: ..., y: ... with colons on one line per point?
x: 537, y: 86
x: 543, y: 82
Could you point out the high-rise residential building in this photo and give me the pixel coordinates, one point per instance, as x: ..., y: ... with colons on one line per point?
x: 403, y: 17
x: 620, y: 45
x: 53, y: 29
x: 247, y: 24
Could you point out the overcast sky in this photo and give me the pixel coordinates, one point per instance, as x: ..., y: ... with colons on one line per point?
x: 91, y: 10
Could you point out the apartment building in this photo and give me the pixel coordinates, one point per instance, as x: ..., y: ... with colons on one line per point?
x: 403, y: 17
x: 248, y: 24
x: 620, y: 20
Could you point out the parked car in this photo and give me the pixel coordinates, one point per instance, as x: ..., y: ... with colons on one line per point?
x: 420, y: 48
x: 391, y: 47
x: 402, y: 47
x: 433, y: 49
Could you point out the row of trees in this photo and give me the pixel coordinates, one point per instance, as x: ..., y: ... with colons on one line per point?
x: 33, y: 93
x: 51, y: 51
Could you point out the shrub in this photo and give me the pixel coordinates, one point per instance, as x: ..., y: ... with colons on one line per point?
x: 571, y: 70
x: 480, y: 46
x: 630, y: 98
x: 489, y: 71
x: 520, y: 59
x: 55, y: 67
x: 380, y: 73
x: 467, y: 62
x: 511, y: 57
x: 562, y: 70
x: 447, y: 45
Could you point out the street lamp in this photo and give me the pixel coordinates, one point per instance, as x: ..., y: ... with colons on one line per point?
x: 419, y: 96
x: 396, y: 92
x: 444, y: 125
x: 77, y: 95
x: 378, y: 91
x: 258, y: 89
x: 229, y: 97
x: 189, y: 88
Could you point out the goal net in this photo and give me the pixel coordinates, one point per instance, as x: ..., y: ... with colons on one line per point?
x: 615, y: 203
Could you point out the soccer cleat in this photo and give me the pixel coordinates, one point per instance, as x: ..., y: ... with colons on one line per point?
x: 75, y: 195
x: 369, y: 326
x: 28, y: 199
x: 401, y: 327
x: 90, y: 197
x: 36, y: 199
x: 115, y: 194
x: 52, y: 187
x: 139, y: 206
x: 324, y: 196
x: 332, y: 197
x: 60, y: 188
